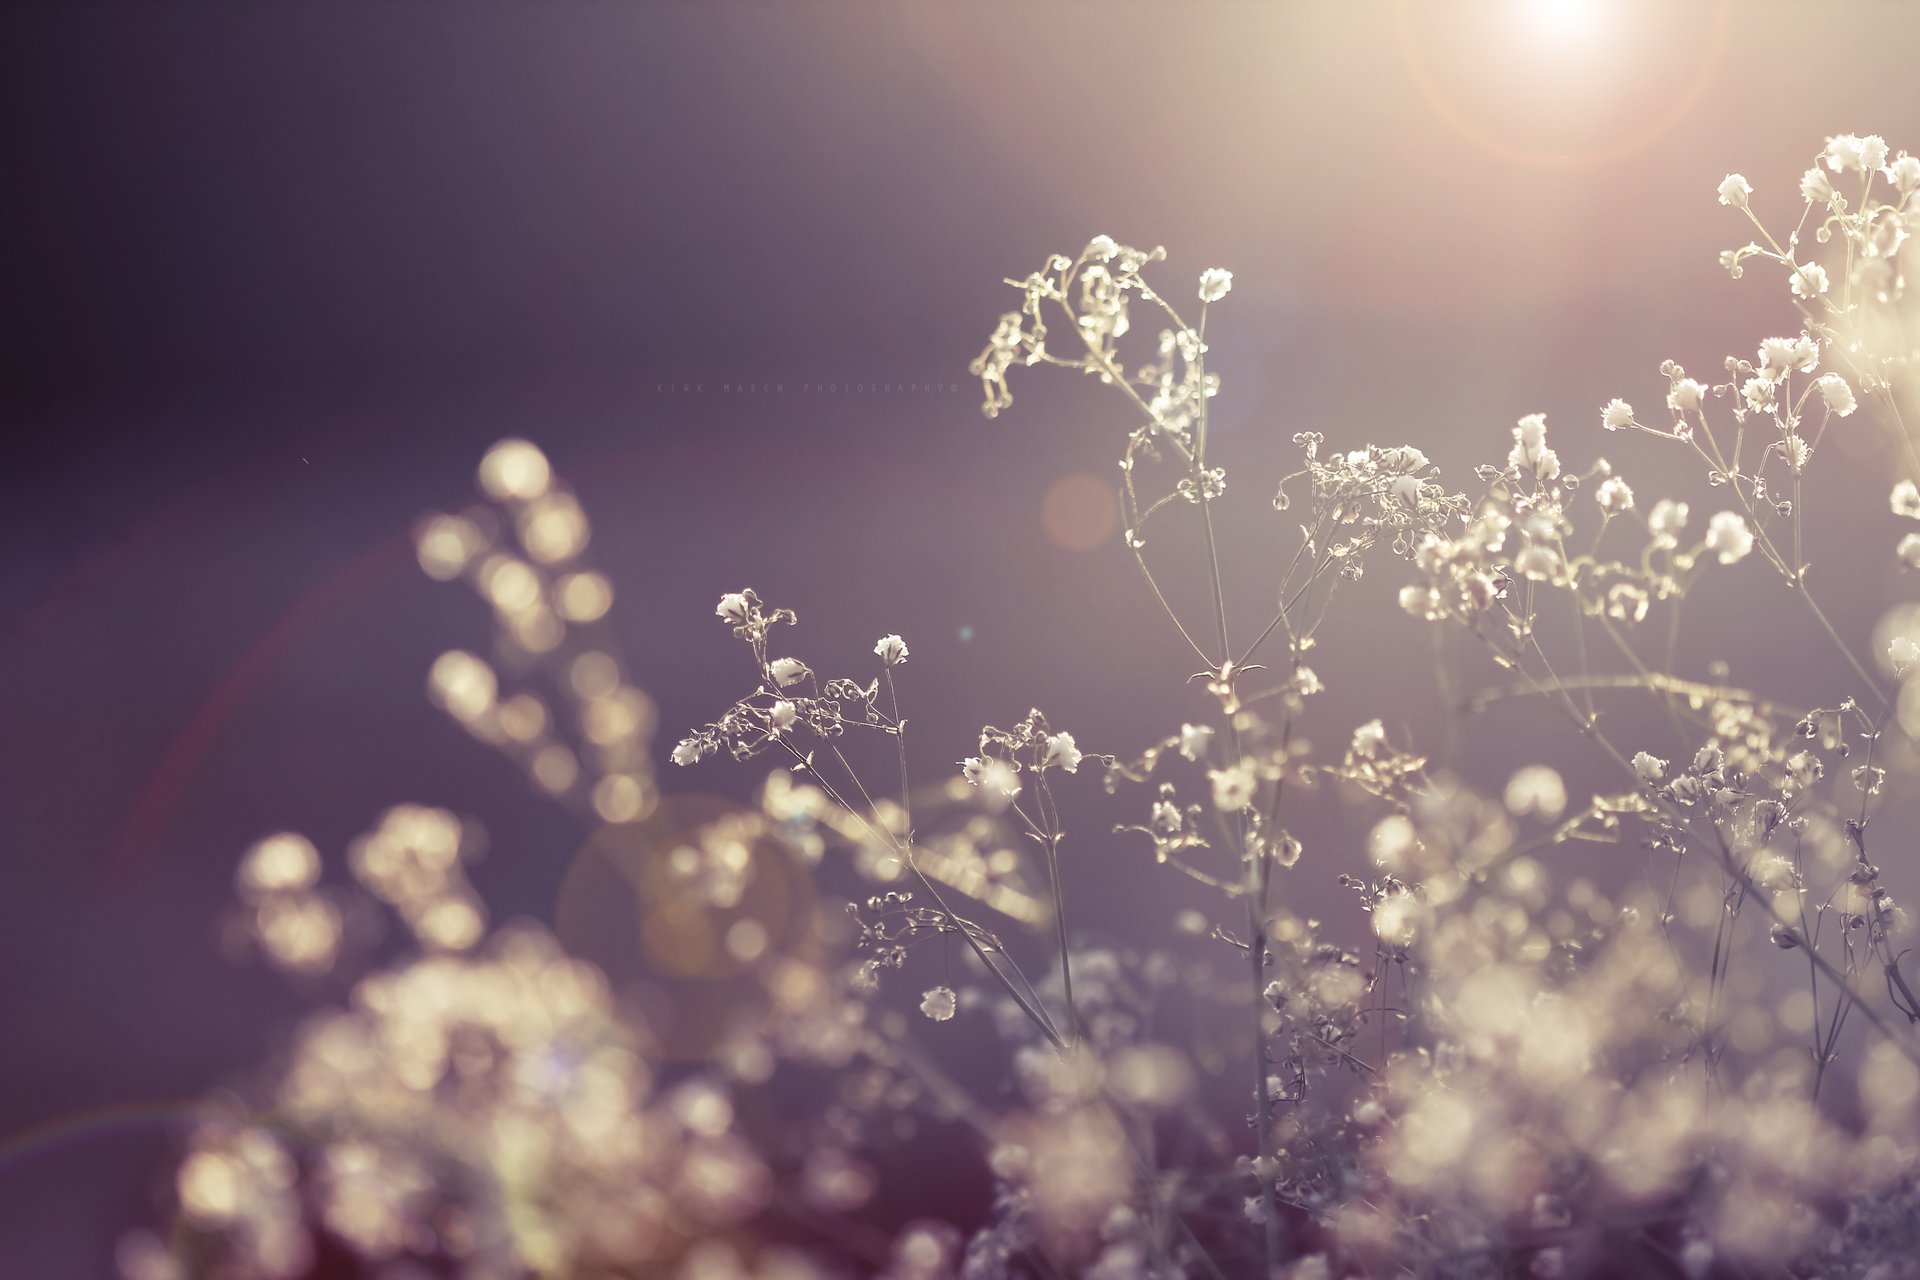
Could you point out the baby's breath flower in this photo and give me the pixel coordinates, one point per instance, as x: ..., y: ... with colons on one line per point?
x: 1847, y: 153
x: 1905, y: 500
x: 1530, y: 452
x: 1194, y: 739
x: 1686, y: 395
x: 686, y: 751
x: 1649, y: 767
x: 1102, y: 248
x: 788, y: 671
x: 1166, y: 817
x: 1616, y: 415
x: 1903, y: 652
x: 1809, y: 280
x: 732, y: 608
x: 1909, y: 551
x: 1668, y: 519
x: 1369, y: 739
x: 780, y: 716
x: 1815, y: 186
x: 995, y: 778
x: 1614, y: 496
x: 1904, y: 172
x: 1233, y: 788
x: 1729, y: 537
x: 1214, y: 284
x: 892, y: 650
x: 1760, y: 394
x: 1062, y: 753
x: 1734, y: 191
x: 939, y: 1003
x: 1836, y: 394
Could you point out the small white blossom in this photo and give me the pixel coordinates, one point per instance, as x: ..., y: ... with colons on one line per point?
x: 1194, y: 739
x: 1686, y: 395
x: 1903, y: 652
x: 1103, y: 248
x: 1905, y: 500
x: 1729, y: 537
x: 1734, y: 191
x: 1904, y: 172
x: 1166, y: 817
x: 1214, y: 284
x: 995, y: 778
x: 1368, y: 739
x: 1062, y: 753
x: 892, y: 650
x: 1815, y: 186
x: 1616, y: 415
x: 732, y: 608
x: 1406, y: 491
x: 780, y: 716
x: 1233, y: 788
x: 1809, y: 280
x: 1650, y: 767
x: 686, y: 752
x: 1530, y: 452
x: 1836, y: 394
x: 1668, y: 519
x: 788, y: 671
x: 1849, y: 154
x: 939, y: 1003
x: 1909, y: 551
x: 1614, y: 496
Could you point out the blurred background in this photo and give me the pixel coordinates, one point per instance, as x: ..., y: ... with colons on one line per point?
x: 274, y: 276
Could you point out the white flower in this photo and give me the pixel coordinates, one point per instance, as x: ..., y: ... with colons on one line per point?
x: 1537, y: 561
x: 1909, y: 551
x: 1616, y: 415
x: 1780, y: 356
x: 1233, y: 788
x: 939, y: 1003
x: 686, y: 751
x: 1537, y: 789
x: 1837, y: 395
x: 1214, y: 284
x: 1815, y: 186
x: 1194, y: 739
x: 1904, y: 652
x: 1306, y: 682
x: 1061, y: 752
x: 1103, y: 248
x: 1728, y: 536
x: 780, y: 716
x: 995, y: 778
x: 892, y: 650
x: 1530, y: 451
x: 1809, y: 280
x: 1668, y: 519
x: 1406, y: 491
x: 1649, y: 766
x: 1166, y: 815
x: 1614, y: 496
x: 1368, y: 739
x: 1905, y: 500
x: 1759, y: 394
x: 788, y: 671
x: 1734, y: 191
x: 1849, y: 154
x: 1904, y: 172
x: 1685, y: 395
x: 733, y: 608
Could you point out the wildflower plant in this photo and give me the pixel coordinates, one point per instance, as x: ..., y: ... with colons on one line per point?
x: 1515, y: 1071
